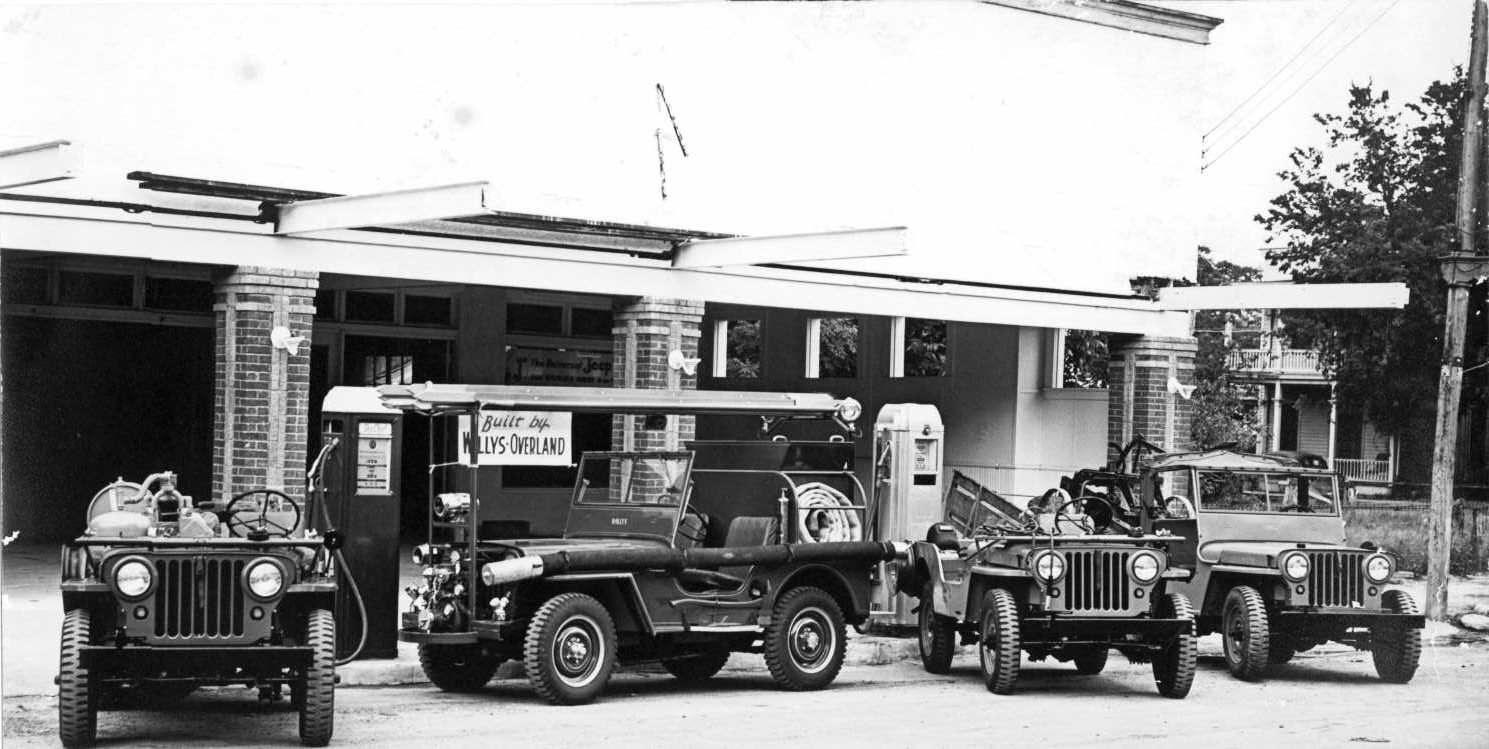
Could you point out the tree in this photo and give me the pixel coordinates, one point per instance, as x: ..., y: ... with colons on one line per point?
x: 1221, y: 414
x: 1377, y: 204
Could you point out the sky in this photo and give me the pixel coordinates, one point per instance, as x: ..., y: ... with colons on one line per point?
x: 285, y: 68
x: 1398, y: 45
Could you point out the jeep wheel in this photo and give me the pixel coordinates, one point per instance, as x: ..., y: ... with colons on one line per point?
x: 570, y: 649
x: 77, y: 712
x: 1395, y: 647
x: 693, y: 668
x: 317, y: 693
x: 1173, y: 667
x: 1245, y: 633
x: 937, y: 634
x: 457, y: 668
x: 999, y: 648
x: 804, y: 640
x: 1090, y: 659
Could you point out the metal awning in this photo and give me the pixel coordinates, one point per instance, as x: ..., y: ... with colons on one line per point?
x: 434, y: 399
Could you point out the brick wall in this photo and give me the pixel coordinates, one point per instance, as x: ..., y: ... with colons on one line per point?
x: 1138, y: 398
x: 261, y: 394
x: 646, y: 331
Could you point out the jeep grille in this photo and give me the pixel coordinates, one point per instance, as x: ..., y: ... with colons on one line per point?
x: 1336, y: 578
x: 199, y: 598
x: 1098, y: 580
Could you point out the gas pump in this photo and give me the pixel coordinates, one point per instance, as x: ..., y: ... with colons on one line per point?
x: 908, y: 449
x: 361, y: 484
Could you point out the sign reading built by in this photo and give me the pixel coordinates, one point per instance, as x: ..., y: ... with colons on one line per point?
x: 520, y: 438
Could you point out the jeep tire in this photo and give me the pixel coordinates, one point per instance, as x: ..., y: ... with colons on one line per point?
x: 1395, y: 647
x: 569, y: 651
x: 77, y: 710
x: 693, y: 668
x: 1245, y: 633
x: 1173, y: 666
x: 1090, y: 659
x: 804, y: 642
x: 317, y: 693
x: 998, y: 642
x: 937, y: 634
x: 457, y: 668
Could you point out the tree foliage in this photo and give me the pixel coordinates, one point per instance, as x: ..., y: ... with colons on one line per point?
x: 1376, y: 203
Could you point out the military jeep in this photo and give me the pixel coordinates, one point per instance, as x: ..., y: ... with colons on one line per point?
x: 1054, y: 580
x: 163, y: 595
x: 680, y: 556
x: 1272, y: 574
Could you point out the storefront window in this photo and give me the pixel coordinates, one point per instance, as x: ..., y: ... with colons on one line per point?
x: 540, y: 319
x: 96, y: 289
x: 387, y: 370
x: 178, y: 294
x: 591, y: 323
x: 1083, y: 359
x: 369, y: 306
x: 426, y: 310
x: 837, y: 346
x: 742, y: 348
x: 925, y: 347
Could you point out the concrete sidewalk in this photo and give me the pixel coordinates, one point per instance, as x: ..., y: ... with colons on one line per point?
x: 32, y: 619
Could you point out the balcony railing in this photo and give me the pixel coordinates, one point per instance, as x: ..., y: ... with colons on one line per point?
x: 1355, y: 469
x: 1286, y: 361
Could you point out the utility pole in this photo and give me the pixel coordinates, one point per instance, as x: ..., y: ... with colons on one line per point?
x: 1460, y: 269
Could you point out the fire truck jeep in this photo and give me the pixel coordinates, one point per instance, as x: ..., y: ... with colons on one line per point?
x: 163, y: 595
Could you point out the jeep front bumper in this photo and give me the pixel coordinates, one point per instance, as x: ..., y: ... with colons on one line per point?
x: 1077, y: 630
x: 217, y: 663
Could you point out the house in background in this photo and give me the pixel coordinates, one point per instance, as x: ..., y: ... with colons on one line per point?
x: 1297, y: 410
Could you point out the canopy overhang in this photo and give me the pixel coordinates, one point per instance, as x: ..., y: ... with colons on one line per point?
x: 440, y: 398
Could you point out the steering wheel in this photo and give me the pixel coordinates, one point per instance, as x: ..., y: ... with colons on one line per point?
x: 1178, y: 507
x: 1086, y: 521
x: 248, y: 514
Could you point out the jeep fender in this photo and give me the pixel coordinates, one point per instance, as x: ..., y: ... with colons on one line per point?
x: 834, y: 582
x: 617, y: 591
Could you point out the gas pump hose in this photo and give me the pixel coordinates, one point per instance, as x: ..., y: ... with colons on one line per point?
x: 341, y: 564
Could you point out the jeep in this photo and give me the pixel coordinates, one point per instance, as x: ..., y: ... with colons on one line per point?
x: 1051, y: 580
x: 1272, y: 573
x: 162, y: 595
x: 680, y: 556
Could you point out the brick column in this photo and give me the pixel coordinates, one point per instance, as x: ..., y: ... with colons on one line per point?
x: 1138, y: 397
x: 646, y: 330
x: 261, y: 393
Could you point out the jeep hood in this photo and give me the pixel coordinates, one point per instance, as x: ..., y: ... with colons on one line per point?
x: 1257, y: 553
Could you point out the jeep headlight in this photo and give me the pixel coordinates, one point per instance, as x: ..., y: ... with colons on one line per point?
x: 1145, y: 567
x: 1378, y: 568
x: 1047, y: 566
x: 265, y: 579
x: 132, y: 578
x: 1295, y: 567
x: 849, y: 410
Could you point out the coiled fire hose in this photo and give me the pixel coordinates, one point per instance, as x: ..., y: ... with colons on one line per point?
x: 313, y: 486
x: 823, y: 514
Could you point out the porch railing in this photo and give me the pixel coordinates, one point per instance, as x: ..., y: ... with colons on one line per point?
x: 1356, y: 469
x: 1293, y: 360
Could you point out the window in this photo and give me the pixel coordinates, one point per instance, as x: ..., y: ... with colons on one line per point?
x: 97, y: 289
x: 387, y: 370
x: 832, y: 347
x: 369, y: 306
x: 1081, y: 357
x: 178, y: 294
x: 736, y: 351
x: 542, y: 319
x: 426, y: 310
x: 1224, y: 491
x: 925, y: 347
x: 591, y: 323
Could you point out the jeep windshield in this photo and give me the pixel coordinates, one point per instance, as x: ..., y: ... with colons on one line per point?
x: 629, y: 494
x: 1267, y: 492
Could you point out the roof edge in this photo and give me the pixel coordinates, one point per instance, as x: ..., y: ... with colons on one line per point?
x: 1124, y: 14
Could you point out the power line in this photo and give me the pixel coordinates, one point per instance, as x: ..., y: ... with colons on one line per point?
x: 1301, y: 86
x: 1279, y: 71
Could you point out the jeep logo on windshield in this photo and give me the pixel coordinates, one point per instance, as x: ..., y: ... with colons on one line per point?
x: 619, y: 521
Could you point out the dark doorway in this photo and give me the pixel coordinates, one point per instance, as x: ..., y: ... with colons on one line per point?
x: 87, y: 402
x: 372, y: 360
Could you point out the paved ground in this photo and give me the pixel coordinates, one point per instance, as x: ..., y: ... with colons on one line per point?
x: 1329, y: 697
x: 1323, y: 700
